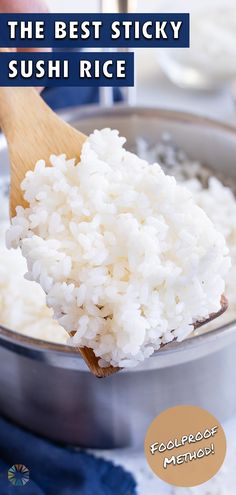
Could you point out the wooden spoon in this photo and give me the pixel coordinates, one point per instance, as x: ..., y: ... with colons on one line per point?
x: 33, y: 131
x: 88, y: 353
x: 213, y: 316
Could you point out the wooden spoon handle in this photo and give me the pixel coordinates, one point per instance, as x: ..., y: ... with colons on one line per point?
x: 23, y: 114
x: 15, y: 104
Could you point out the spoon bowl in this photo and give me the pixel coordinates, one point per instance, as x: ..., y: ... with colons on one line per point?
x: 33, y: 131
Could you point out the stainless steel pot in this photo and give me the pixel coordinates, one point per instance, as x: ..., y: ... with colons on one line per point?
x: 47, y: 387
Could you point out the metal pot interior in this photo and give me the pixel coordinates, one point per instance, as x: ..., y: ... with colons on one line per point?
x: 213, y: 144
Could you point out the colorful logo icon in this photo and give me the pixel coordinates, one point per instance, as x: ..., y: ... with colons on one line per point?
x: 18, y: 475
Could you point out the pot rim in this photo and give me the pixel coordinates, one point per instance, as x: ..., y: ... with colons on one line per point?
x: 36, y: 348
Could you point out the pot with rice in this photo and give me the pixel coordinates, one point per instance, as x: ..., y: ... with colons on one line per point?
x: 45, y: 386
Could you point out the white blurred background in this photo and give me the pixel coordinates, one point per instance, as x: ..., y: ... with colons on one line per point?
x: 200, y: 79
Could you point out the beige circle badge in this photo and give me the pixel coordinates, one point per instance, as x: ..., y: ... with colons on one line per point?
x: 185, y: 446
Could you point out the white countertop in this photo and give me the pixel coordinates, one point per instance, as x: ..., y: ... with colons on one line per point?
x: 148, y: 484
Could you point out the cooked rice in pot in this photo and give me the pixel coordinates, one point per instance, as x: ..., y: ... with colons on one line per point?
x: 127, y: 259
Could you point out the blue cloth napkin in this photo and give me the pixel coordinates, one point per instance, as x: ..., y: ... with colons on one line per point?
x: 59, y: 98
x: 54, y: 470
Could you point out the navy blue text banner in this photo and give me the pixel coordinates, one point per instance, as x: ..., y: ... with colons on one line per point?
x: 67, y: 69
x: 95, y: 30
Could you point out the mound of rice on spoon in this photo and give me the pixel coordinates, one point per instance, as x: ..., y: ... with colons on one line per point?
x: 126, y: 258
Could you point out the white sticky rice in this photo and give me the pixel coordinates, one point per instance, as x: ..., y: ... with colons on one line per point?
x: 216, y: 199
x: 126, y: 258
x: 22, y: 303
